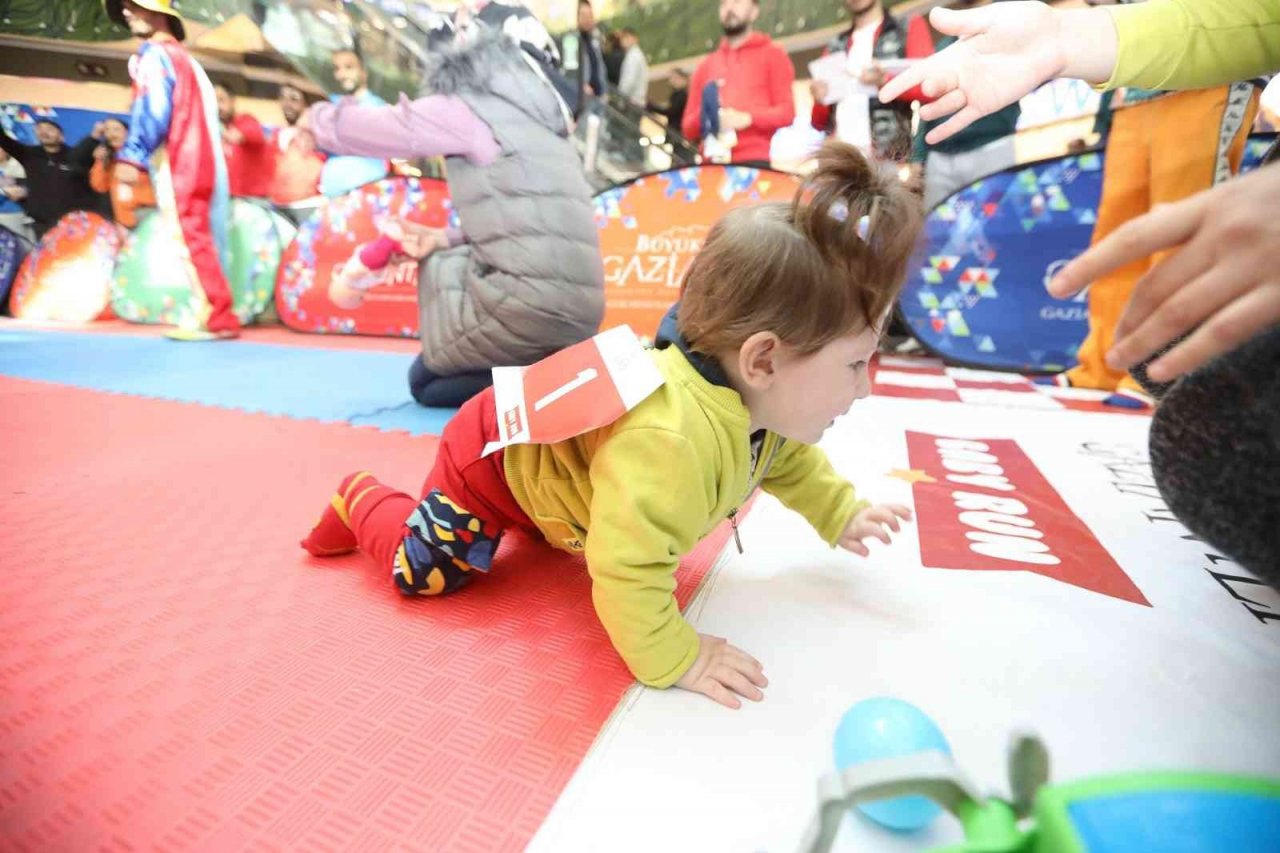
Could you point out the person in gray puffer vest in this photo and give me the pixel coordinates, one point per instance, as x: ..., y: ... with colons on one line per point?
x: 523, y: 277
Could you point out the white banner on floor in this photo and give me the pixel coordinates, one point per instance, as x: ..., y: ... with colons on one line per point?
x: 1044, y: 588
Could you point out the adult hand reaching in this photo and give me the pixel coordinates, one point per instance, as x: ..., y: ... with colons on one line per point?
x: 1225, y: 278
x: 418, y: 241
x: 1005, y: 51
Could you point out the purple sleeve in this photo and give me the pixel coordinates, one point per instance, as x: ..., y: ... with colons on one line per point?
x: 434, y: 126
x: 455, y: 236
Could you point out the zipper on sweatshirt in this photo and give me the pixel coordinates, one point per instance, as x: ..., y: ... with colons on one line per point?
x: 753, y: 482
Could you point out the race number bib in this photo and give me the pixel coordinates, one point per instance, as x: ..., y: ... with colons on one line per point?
x: 584, y: 387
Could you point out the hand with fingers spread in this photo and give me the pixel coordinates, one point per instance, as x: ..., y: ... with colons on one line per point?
x: 723, y: 673
x: 1225, y: 279
x: 874, y: 521
x: 1005, y: 51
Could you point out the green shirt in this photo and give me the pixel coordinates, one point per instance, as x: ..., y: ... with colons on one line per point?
x: 1194, y: 44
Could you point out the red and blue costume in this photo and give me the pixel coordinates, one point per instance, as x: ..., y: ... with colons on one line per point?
x: 174, y: 129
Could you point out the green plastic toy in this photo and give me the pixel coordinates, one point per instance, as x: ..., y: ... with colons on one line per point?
x: 1147, y: 812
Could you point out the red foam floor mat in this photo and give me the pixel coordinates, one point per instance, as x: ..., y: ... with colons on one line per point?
x: 179, y: 675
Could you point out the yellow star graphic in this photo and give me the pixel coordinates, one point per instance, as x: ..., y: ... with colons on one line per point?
x: 911, y: 475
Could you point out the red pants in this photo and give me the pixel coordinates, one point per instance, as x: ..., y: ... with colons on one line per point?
x: 477, y: 485
x: 193, y: 216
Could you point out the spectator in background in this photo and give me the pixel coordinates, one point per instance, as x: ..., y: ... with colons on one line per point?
x: 679, y: 81
x: 57, y: 176
x: 634, y: 84
x: 746, y: 84
x: 172, y: 129
x: 986, y: 146
x: 882, y: 130
x: 613, y: 53
x: 343, y: 173
x: 298, y: 163
x: 13, y: 191
x: 250, y: 160
x: 583, y: 59
x: 125, y: 199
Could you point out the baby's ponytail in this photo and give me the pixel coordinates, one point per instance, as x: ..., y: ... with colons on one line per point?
x: 827, y: 264
x: 862, y: 220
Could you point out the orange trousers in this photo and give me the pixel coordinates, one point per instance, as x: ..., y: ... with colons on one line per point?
x: 1158, y: 152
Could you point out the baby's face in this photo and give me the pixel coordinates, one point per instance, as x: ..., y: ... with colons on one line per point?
x: 809, y: 392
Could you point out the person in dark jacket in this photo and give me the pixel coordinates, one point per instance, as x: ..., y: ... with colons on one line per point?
x: 582, y: 56
x: 674, y: 112
x: 57, y: 176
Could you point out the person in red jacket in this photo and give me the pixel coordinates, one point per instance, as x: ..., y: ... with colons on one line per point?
x: 750, y: 79
x: 882, y: 130
x: 251, y: 162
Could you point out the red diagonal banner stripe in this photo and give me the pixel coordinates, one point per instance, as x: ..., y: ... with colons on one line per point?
x: 990, y: 509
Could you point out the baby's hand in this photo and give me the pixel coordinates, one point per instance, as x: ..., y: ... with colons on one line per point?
x: 872, y: 521
x: 721, y: 670
x: 418, y: 241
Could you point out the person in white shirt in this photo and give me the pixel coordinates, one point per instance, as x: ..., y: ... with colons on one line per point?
x: 634, y: 81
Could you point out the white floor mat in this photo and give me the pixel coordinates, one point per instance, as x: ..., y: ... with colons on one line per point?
x: 1108, y: 634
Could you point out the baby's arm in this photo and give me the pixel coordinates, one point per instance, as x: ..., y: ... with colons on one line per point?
x: 650, y: 502
x: 803, y: 479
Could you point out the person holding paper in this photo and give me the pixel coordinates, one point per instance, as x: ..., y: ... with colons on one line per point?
x: 780, y: 314
x: 855, y: 65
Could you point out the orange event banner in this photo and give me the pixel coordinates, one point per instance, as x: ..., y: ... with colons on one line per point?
x: 651, y: 228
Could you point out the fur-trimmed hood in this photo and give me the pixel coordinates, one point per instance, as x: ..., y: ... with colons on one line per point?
x: 495, y: 65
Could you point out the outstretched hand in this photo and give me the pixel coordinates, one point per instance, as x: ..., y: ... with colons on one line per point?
x: 419, y: 241
x: 1225, y: 278
x: 1005, y: 51
x: 723, y: 673
x: 874, y: 521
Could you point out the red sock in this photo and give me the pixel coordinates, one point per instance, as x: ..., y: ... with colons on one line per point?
x: 332, y: 534
x: 378, y: 515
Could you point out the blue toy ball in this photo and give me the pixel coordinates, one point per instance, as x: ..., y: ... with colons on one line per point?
x: 889, y: 728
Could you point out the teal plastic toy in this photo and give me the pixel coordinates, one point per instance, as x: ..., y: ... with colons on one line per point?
x: 1150, y: 812
x: 885, y: 727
